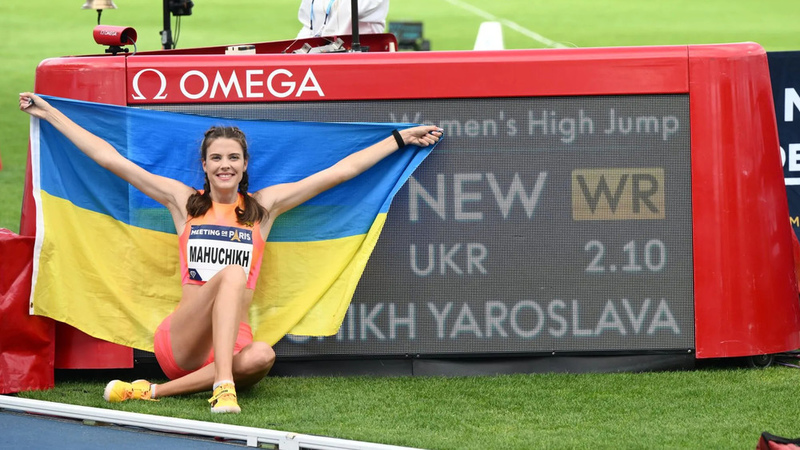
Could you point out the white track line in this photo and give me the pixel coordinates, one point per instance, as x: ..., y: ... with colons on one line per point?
x: 513, y: 25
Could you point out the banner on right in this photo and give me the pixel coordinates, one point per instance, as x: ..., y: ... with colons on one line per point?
x: 784, y: 70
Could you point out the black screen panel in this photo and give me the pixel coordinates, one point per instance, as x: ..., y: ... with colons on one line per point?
x: 548, y: 224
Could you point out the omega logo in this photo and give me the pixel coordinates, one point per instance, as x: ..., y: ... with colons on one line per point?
x: 248, y: 83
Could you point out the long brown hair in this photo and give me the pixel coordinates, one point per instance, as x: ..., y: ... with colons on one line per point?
x: 200, y: 202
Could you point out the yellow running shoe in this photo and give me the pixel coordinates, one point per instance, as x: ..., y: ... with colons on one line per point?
x: 119, y: 391
x: 224, y: 400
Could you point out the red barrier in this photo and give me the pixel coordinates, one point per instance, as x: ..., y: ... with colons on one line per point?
x: 27, y: 348
x: 745, y: 293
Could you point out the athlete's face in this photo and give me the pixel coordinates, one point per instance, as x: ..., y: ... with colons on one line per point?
x: 224, y: 164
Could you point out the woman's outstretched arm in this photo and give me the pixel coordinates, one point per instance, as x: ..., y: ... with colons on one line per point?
x: 280, y: 198
x: 170, y: 193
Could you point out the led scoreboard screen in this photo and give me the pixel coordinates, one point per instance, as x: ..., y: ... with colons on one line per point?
x: 538, y: 225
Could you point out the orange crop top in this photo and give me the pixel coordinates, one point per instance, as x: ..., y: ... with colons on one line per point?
x: 211, y: 242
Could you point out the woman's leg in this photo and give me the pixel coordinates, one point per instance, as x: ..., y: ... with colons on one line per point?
x: 249, y: 366
x: 209, y: 317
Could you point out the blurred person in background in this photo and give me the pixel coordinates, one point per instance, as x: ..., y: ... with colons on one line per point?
x: 334, y: 17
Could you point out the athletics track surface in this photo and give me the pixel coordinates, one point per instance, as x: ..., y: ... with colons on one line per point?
x: 28, y: 431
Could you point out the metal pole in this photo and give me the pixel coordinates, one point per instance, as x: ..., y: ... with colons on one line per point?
x: 356, y: 45
x: 166, y: 33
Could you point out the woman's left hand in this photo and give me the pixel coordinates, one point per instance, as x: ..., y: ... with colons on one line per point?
x: 421, y: 136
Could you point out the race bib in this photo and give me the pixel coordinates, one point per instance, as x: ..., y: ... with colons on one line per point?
x: 210, y: 248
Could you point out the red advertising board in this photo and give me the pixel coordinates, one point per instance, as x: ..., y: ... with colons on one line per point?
x: 623, y: 201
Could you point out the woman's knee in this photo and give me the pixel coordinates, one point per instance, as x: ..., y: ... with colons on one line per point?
x: 233, y: 275
x: 257, y: 358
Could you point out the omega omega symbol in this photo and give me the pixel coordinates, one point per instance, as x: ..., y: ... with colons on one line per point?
x: 163, y: 86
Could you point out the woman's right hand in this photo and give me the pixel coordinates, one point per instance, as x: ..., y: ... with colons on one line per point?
x: 422, y: 136
x: 33, y: 104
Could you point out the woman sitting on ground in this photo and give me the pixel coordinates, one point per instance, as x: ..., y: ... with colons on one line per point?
x: 206, y: 342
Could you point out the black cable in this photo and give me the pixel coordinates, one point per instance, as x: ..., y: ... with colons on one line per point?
x: 177, y: 31
x: 134, y: 45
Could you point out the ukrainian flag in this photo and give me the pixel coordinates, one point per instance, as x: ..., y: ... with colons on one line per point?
x: 106, y: 256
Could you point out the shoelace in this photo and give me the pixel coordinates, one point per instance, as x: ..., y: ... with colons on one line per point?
x: 131, y: 394
x: 224, y: 393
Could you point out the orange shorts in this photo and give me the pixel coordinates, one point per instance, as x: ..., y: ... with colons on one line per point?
x: 166, y: 359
